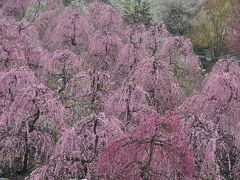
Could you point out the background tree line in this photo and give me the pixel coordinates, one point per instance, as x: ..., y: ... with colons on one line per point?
x: 205, y: 22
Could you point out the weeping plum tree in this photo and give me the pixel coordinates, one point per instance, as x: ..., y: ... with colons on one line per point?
x: 156, y: 150
x: 13, y: 51
x: 20, y: 8
x: 72, y: 30
x: 135, y: 34
x: 14, y: 8
x: 59, y: 67
x: 154, y: 38
x: 35, y: 61
x: 151, y: 89
x: 27, y: 31
x: 201, y: 136
x: 30, y: 128
x: 212, y: 122
x: 128, y: 103
x: 105, y: 17
x: 107, y: 40
x: 178, y: 53
x: 77, y: 96
x: 131, y: 53
x: 103, y: 50
x: 85, y: 93
x: 2, y: 3
x: 12, y: 82
x: 67, y: 160
x: 157, y: 80
x: 45, y: 22
x: 151, y: 84
x: 224, y: 79
x: 228, y: 156
x: 19, y: 40
x: 7, y: 24
x: 226, y: 75
x: 79, y: 147
x: 128, y: 58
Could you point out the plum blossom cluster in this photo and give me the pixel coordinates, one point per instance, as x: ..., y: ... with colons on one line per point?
x: 99, y: 99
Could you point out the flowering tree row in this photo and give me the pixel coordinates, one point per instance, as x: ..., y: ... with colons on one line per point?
x: 100, y: 99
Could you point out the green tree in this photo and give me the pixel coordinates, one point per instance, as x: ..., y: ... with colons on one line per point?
x: 177, y: 17
x: 67, y: 2
x: 33, y: 12
x: 210, y: 27
x: 135, y: 11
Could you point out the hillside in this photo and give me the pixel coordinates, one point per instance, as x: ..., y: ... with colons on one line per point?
x: 85, y: 93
